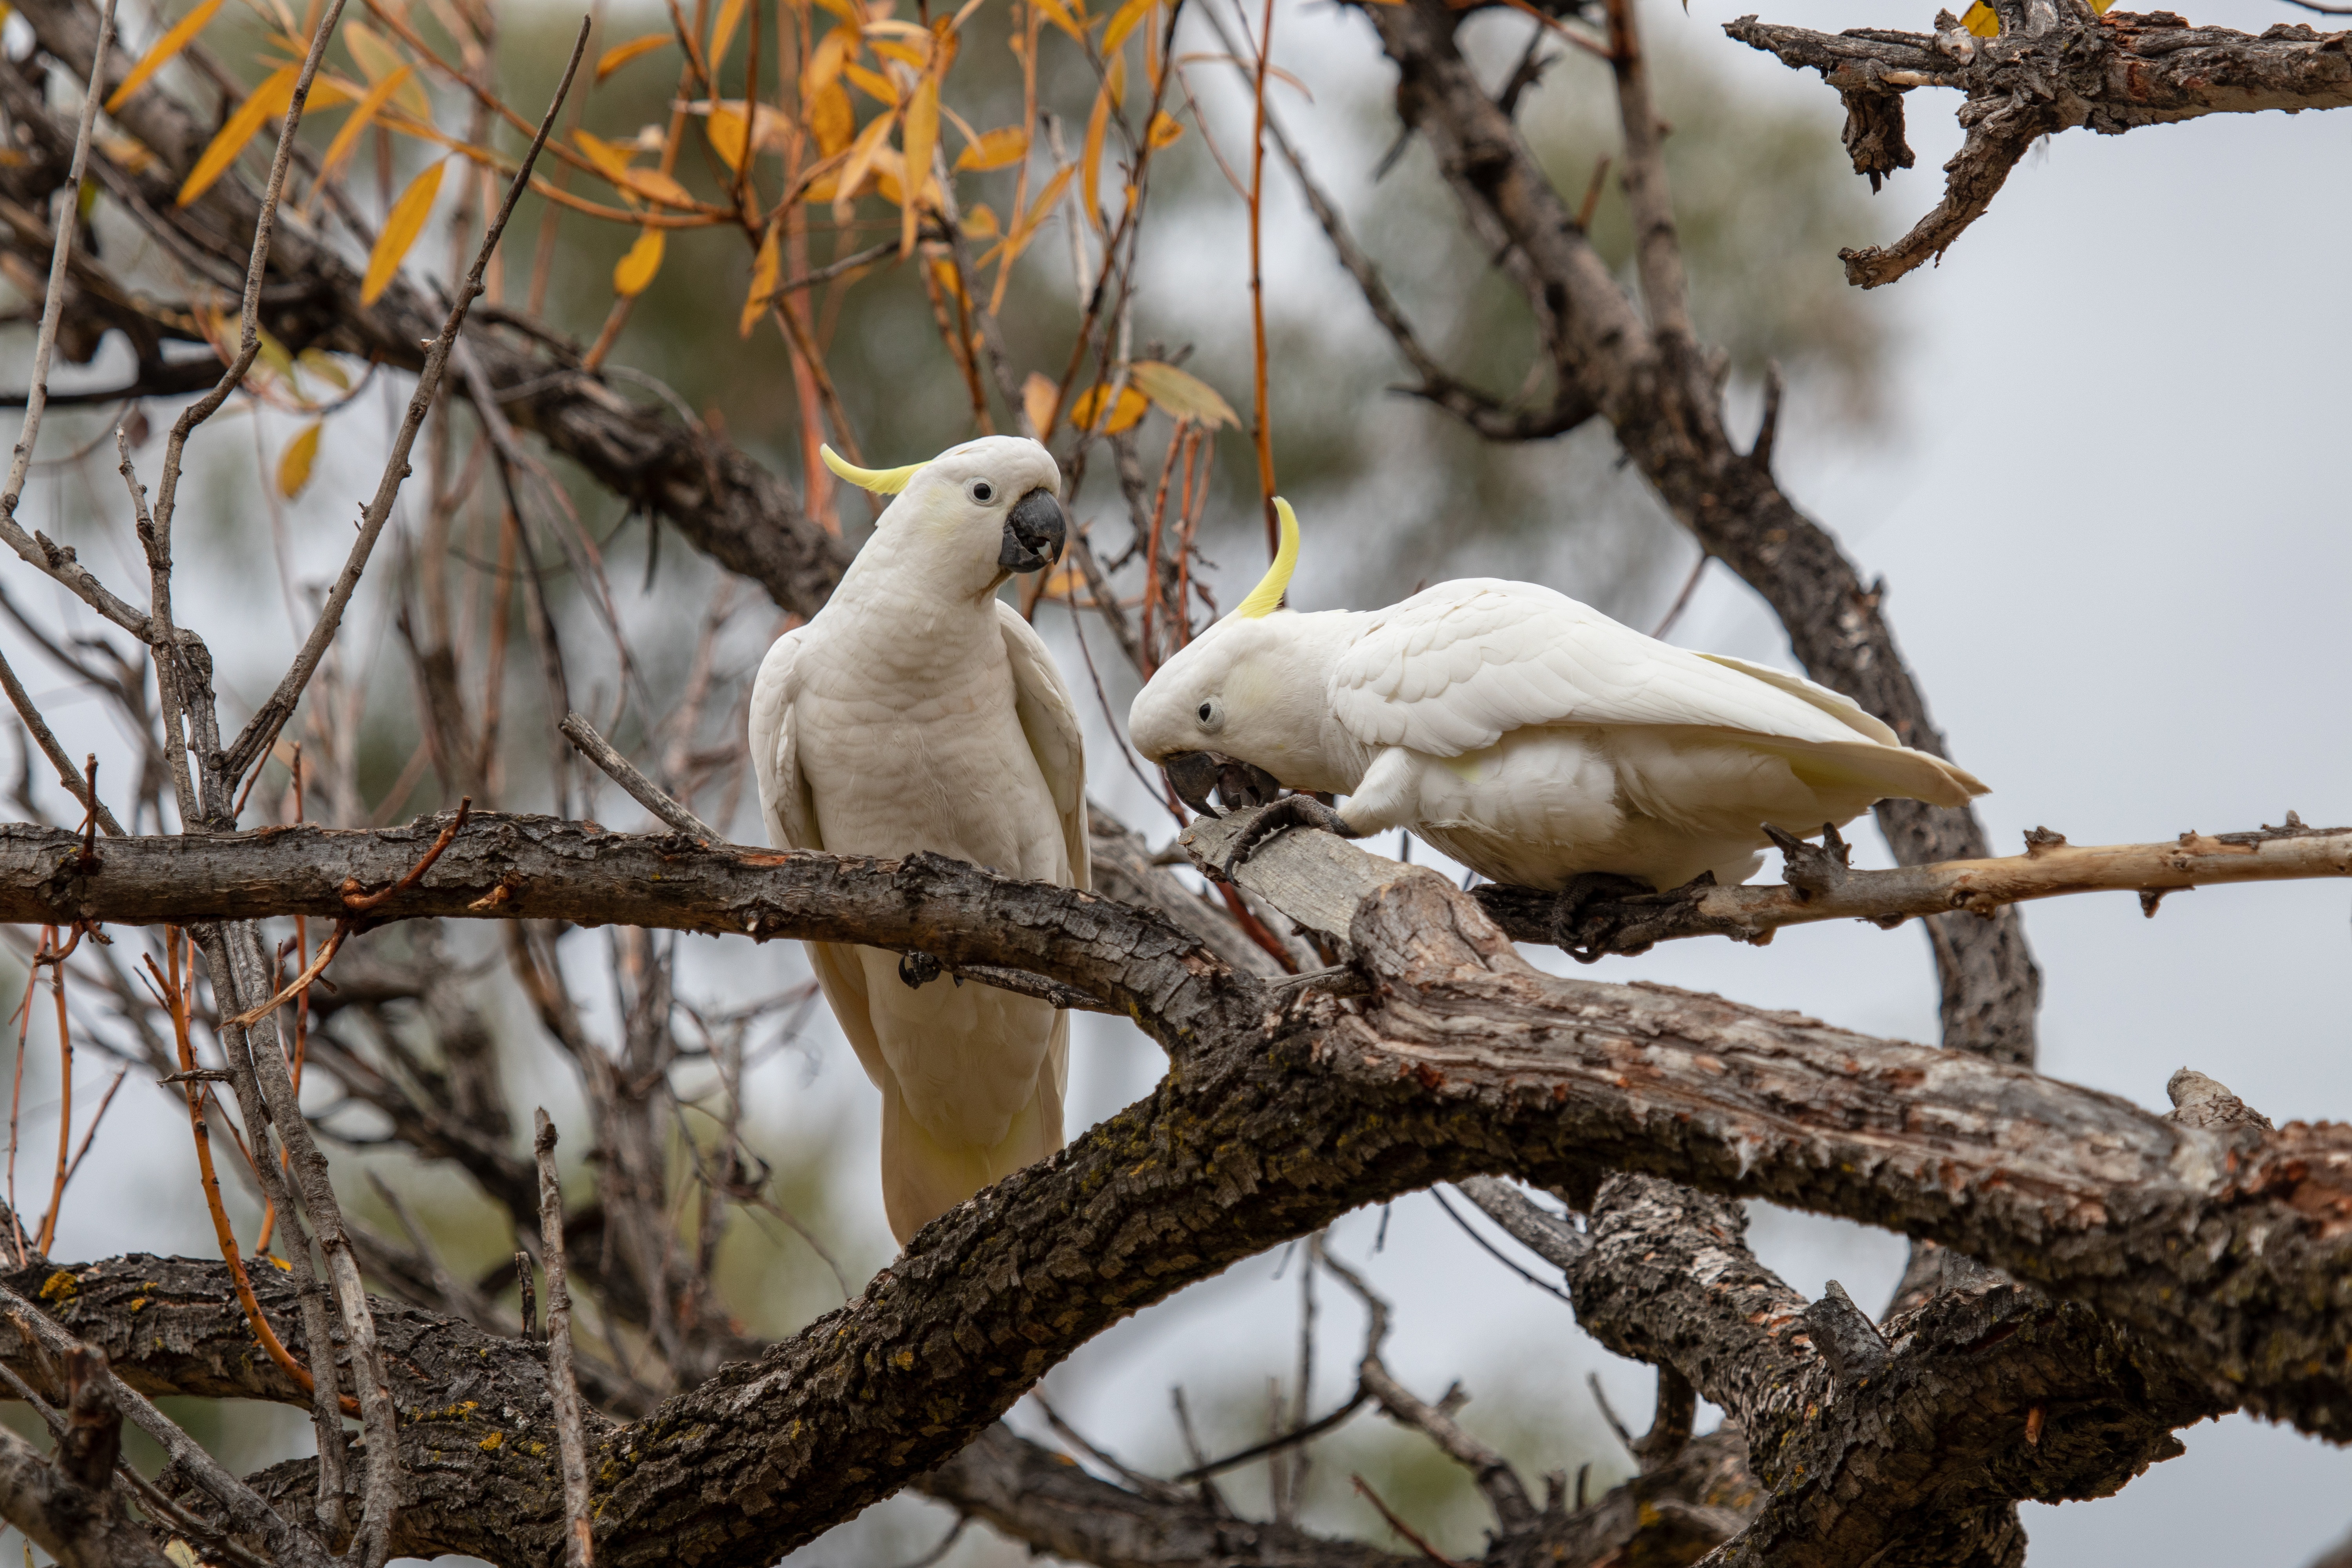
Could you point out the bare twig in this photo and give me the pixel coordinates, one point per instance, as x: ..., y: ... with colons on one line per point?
x: 643, y: 790
x: 67, y: 774
x: 562, y: 1391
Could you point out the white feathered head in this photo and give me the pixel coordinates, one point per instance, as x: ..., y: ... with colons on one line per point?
x: 1241, y: 707
x: 993, y: 504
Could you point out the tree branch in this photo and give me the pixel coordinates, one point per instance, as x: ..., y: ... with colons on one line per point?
x: 2112, y: 73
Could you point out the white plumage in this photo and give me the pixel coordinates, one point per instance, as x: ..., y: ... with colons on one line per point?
x: 919, y: 712
x: 1528, y: 736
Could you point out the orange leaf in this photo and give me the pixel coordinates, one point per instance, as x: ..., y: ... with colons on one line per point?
x: 826, y: 62
x: 904, y: 54
x: 1125, y: 20
x: 921, y: 135
x: 635, y: 270
x: 767, y: 271
x: 728, y: 134
x: 170, y: 44
x: 1090, y: 162
x: 348, y: 136
x: 995, y: 149
x: 1028, y: 226
x: 722, y: 32
x: 1125, y: 414
x: 1166, y: 127
x: 273, y: 97
x: 378, y: 60
x: 1058, y: 14
x: 862, y: 152
x: 611, y: 161
x: 875, y: 85
x: 619, y: 55
x: 831, y: 120
x: 655, y: 186
x: 1038, y: 398
x: 294, y: 463
x: 980, y: 221
x: 401, y: 227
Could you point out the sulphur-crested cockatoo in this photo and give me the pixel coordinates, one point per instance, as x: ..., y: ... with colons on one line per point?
x: 1528, y: 736
x: 918, y: 711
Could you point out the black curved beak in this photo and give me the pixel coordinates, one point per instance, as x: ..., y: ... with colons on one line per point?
x: 1034, y: 533
x: 1239, y: 785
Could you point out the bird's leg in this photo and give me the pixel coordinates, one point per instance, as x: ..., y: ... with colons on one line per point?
x: 1584, y: 890
x: 1290, y: 811
x: 919, y: 970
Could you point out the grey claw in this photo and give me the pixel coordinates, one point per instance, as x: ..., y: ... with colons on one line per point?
x: 919, y: 970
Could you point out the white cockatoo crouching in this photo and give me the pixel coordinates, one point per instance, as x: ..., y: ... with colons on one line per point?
x: 1527, y: 735
x: 917, y: 711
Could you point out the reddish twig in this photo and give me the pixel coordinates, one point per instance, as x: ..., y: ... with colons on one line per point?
x: 1401, y: 1528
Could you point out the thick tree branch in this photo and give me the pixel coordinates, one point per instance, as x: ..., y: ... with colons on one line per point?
x: 2112, y: 73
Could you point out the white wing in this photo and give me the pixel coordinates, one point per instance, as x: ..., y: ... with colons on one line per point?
x: 1455, y: 669
x: 775, y: 759
x: 1049, y: 718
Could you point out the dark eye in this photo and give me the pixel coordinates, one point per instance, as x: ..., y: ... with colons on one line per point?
x: 1211, y: 715
x: 982, y: 491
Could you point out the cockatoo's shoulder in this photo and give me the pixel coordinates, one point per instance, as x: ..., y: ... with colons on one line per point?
x: 1457, y: 667
x: 775, y: 754
x: 1049, y: 718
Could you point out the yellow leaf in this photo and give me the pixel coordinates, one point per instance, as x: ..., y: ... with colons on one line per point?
x: 635, y: 270
x: 273, y: 356
x: 619, y: 55
x: 294, y: 463
x: 348, y: 136
x: 921, y: 135
x: 655, y: 186
x: 995, y: 149
x: 830, y: 117
x: 1114, y: 80
x: 1981, y: 21
x: 1090, y: 162
x: 875, y: 85
x: 611, y: 161
x: 1180, y: 393
x: 980, y: 221
x: 401, y: 227
x: 1039, y: 207
x: 950, y: 281
x: 826, y: 62
x: 273, y: 97
x: 378, y: 60
x: 728, y: 135
x: 722, y: 32
x: 1058, y: 14
x: 904, y: 54
x: 1125, y: 20
x: 860, y: 163
x: 1125, y: 414
x: 170, y: 44
x: 1166, y: 127
x: 182, y: 1553
x: 847, y: 10
x: 1038, y: 398
x: 767, y: 271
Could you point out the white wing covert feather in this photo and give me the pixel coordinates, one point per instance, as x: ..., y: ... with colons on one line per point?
x: 1453, y: 669
x: 775, y: 760
x: 1049, y: 718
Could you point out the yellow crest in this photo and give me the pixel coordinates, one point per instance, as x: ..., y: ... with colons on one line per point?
x: 1267, y: 597
x: 881, y: 481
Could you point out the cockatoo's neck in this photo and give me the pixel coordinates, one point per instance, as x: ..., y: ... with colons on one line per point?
x: 896, y: 569
x: 1314, y: 751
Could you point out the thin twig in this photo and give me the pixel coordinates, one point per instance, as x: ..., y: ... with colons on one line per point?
x: 564, y: 1392
x: 643, y: 790
x: 1401, y: 1527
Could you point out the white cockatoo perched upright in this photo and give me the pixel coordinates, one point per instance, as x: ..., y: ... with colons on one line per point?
x: 1528, y: 736
x: 917, y: 711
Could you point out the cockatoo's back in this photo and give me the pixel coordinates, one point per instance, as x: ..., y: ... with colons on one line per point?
x: 1534, y: 738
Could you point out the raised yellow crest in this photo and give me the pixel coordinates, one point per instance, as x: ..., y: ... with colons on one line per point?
x: 1267, y: 597
x: 881, y: 481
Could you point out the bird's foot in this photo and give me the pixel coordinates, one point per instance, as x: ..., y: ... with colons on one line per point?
x: 1291, y: 811
x: 919, y: 970
x: 1579, y: 927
